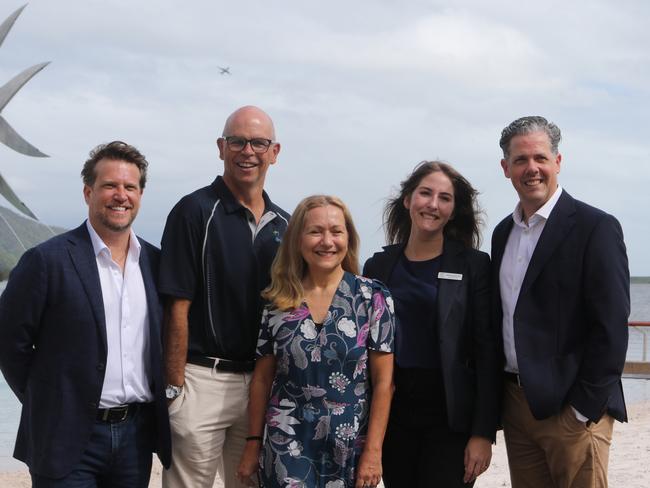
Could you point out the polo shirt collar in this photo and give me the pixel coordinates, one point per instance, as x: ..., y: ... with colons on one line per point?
x: 228, y: 200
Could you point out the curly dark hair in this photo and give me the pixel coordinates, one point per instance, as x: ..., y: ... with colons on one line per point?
x: 116, y: 151
x: 464, y: 227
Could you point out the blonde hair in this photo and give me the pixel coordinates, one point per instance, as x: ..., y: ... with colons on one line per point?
x: 289, y: 267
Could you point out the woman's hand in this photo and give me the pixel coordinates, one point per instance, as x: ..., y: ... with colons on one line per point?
x: 249, y: 464
x: 381, y: 377
x: 369, y: 469
x: 478, y: 454
x: 257, y: 401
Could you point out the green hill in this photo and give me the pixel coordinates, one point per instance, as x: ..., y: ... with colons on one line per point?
x: 18, y: 233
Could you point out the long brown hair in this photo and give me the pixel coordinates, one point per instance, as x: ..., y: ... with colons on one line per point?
x: 464, y: 227
x: 289, y: 267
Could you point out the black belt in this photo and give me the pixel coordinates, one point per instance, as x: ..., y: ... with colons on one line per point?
x: 222, y: 364
x: 512, y: 377
x: 118, y: 414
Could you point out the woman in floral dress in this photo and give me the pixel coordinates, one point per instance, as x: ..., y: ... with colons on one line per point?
x: 322, y: 384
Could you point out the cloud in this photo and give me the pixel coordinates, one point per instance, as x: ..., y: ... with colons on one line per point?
x: 360, y: 92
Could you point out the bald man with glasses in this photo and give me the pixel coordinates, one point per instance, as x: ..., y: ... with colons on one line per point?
x: 217, y: 249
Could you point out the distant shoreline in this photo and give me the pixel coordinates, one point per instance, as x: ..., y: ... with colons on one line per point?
x: 640, y: 280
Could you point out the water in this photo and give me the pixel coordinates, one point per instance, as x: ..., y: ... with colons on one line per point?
x: 636, y: 390
x: 640, y: 297
x: 9, y: 416
x: 639, y: 343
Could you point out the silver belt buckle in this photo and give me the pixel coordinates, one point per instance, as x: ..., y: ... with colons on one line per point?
x: 124, y: 414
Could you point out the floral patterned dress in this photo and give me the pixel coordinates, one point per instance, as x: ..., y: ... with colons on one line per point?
x: 317, y: 417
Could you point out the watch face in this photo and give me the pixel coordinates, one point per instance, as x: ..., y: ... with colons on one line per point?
x: 172, y: 391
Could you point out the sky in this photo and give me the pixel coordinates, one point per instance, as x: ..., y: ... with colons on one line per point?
x: 360, y: 92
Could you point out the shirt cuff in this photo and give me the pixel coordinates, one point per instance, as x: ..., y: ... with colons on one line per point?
x: 578, y: 415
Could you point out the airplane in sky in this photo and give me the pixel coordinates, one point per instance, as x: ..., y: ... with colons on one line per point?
x: 224, y: 71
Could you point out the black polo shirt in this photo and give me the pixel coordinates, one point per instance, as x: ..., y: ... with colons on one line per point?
x: 213, y: 254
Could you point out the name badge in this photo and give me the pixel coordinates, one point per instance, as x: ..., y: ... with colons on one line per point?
x: 450, y: 276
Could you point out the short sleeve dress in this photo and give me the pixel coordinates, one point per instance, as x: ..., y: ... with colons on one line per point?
x: 317, y: 416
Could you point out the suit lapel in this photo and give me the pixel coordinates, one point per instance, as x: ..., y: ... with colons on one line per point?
x: 387, y: 261
x: 559, y: 223
x: 499, y: 242
x: 150, y: 291
x: 83, y: 259
x: 447, y: 289
x: 153, y: 313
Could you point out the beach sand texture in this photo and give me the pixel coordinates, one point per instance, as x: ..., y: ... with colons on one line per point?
x: 629, y: 464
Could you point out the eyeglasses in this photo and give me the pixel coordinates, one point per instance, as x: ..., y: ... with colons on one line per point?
x: 258, y: 145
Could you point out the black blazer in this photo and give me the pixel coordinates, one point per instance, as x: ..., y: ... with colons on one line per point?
x: 570, y: 320
x: 53, y: 350
x: 468, y: 344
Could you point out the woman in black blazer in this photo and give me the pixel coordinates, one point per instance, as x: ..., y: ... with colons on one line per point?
x: 444, y: 413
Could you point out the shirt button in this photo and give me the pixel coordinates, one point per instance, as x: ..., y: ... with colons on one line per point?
x: 101, y: 367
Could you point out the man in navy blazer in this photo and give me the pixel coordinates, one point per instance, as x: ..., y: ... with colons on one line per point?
x: 561, y: 285
x: 80, y: 340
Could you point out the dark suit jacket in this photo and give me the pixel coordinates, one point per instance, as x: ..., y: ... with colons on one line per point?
x: 53, y: 350
x: 468, y: 344
x: 570, y: 320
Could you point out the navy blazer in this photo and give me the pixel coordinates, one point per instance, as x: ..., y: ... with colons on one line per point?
x: 468, y: 345
x: 570, y: 320
x: 53, y: 350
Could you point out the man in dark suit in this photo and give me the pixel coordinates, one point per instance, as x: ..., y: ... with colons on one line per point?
x: 80, y: 340
x: 561, y: 287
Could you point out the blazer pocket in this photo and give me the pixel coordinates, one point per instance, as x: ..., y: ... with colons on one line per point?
x: 42, y: 412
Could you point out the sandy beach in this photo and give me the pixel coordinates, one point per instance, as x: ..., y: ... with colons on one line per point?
x: 629, y: 465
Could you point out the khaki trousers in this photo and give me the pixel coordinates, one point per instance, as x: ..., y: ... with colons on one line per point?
x: 209, y: 424
x: 559, y: 451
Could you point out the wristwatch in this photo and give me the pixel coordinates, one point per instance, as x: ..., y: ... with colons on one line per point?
x: 172, y: 391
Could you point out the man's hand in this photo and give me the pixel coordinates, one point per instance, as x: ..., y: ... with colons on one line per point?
x: 478, y: 454
x: 249, y: 464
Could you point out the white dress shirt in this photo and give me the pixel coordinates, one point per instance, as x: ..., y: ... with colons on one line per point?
x: 128, y: 369
x: 516, y: 258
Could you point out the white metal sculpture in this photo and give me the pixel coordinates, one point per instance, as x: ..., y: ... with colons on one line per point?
x: 8, y: 136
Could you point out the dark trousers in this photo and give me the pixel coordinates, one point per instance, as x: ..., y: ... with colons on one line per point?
x: 419, y: 449
x: 118, y: 455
